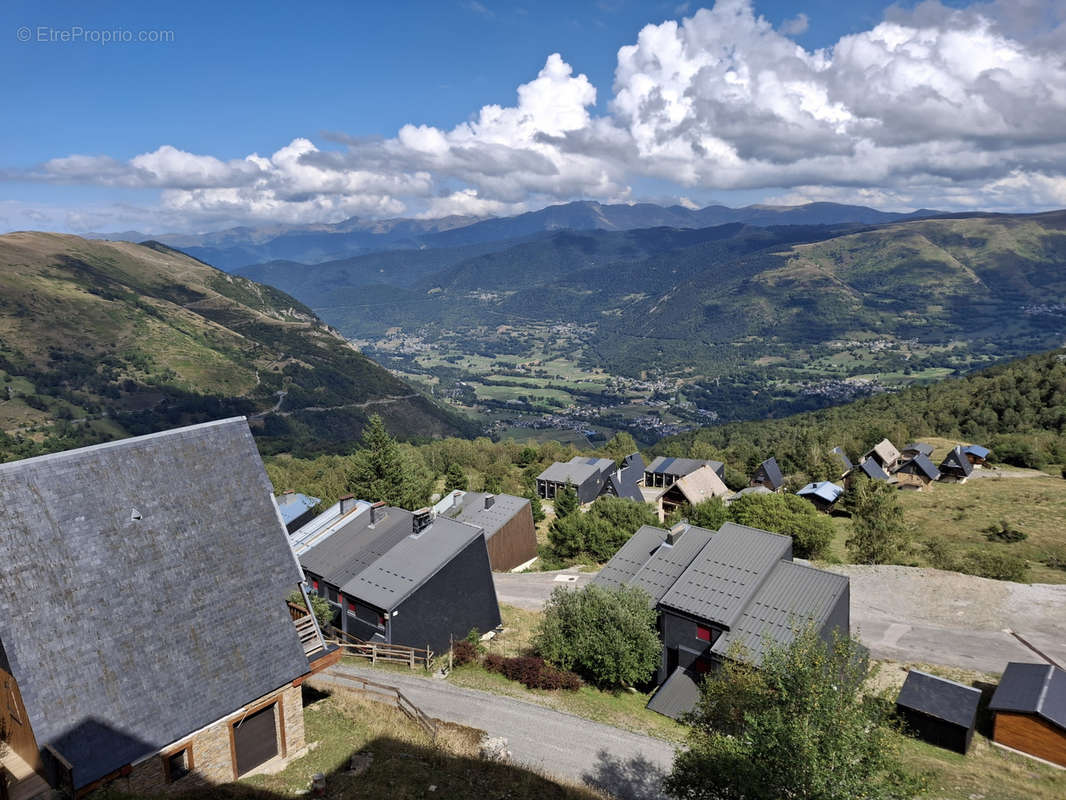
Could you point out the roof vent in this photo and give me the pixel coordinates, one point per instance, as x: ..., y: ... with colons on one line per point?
x: 135, y: 515
x: 490, y: 500
x: 347, y: 503
x: 676, y: 532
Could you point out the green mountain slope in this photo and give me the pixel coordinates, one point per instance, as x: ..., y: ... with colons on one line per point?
x: 104, y: 339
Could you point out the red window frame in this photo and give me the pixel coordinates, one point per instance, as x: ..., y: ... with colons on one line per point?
x: 703, y: 634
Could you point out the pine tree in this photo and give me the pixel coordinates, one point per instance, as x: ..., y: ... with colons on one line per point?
x: 565, y: 503
x: 879, y: 535
x: 535, y: 507
x: 379, y: 473
x: 455, y: 479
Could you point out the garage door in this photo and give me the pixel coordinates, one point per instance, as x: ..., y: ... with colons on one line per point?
x: 255, y: 739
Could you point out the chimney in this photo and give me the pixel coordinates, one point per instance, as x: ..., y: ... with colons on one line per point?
x: 676, y: 532
x: 489, y: 500
x: 421, y: 519
x: 377, y: 512
x: 347, y: 503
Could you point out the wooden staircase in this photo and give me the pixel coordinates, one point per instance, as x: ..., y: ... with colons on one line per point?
x: 307, y: 630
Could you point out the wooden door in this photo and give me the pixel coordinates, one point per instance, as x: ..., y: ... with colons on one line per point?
x: 255, y: 739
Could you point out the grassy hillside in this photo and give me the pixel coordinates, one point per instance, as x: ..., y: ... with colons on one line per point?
x: 104, y: 339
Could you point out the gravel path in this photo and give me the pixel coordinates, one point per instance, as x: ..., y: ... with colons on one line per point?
x: 910, y: 614
x: 627, y: 765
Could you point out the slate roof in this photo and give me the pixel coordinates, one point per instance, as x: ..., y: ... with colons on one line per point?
x: 470, y: 508
x: 977, y: 451
x: 792, y: 596
x: 703, y: 484
x: 624, y: 481
x: 956, y: 461
x: 826, y: 490
x: 393, y: 577
x: 921, y: 465
x: 577, y: 470
x: 885, y: 451
x: 668, y: 465
x: 918, y: 447
x: 144, y: 585
x: 839, y: 452
x: 722, y: 579
x: 635, y: 460
x: 941, y: 698
x: 1032, y: 689
x: 873, y: 470
x: 769, y: 471
x: 293, y: 504
x: 355, y: 544
x: 678, y: 694
x: 630, y: 557
x: 662, y: 570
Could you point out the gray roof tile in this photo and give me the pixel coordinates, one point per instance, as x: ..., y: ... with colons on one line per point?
x: 1032, y: 689
x: 941, y: 698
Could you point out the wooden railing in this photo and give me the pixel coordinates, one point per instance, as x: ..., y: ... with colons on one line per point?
x: 393, y: 696
x: 379, y: 651
x: 305, y: 627
x: 296, y: 612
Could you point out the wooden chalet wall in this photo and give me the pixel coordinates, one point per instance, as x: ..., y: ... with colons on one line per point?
x: 1031, y: 734
x: 515, y: 543
x: 19, y: 735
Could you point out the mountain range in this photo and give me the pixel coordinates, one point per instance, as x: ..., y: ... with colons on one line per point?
x: 104, y: 339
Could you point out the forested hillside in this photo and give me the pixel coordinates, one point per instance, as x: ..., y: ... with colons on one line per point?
x: 100, y: 340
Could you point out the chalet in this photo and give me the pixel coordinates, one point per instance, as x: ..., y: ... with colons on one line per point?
x: 769, y: 475
x: 823, y: 494
x: 392, y: 578
x: 625, y: 481
x: 296, y: 509
x: 1030, y: 711
x: 145, y: 638
x: 713, y: 590
x: 916, y: 473
x: 938, y: 711
x: 870, y: 468
x: 956, y: 467
x: 916, y: 448
x: 665, y: 470
x: 585, y: 476
x: 510, y: 535
x: 884, y: 453
x: 699, y: 485
x: 976, y: 454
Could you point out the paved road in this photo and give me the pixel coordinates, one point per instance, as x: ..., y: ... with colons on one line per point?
x: 628, y: 765
x: 885, y: 628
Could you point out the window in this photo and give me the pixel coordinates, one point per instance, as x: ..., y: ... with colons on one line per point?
x: 177, y: 765
x: 381, y: 620
x: 351, y: 607
x: 331, y: 594
x: 703, y: 634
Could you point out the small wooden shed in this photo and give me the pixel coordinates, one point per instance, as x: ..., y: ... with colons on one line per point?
x: 1030, y: 709
x: 939, y: 711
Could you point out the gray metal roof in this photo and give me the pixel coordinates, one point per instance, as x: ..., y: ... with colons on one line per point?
x: 722, y: 579
x: 144, y: 585
x: 662, y: 570
x: 941, y: 698
x: 925, y: 450
x: 355, y: 543
x: 410, y: 563
x: 826, y: 490
x: 769, y: 471
x: 873, y: 470
x: 680, y: 467
x: 624, y: 481
x: 792, y: 596
x: 470, y: 508
x: 921, y: 465
x: 635, y: 460
x: 577, y: 470
x: 630, y: 557
x: 1032, y: 689
x: 956, y: 461
x: 677, y: 696
x: 839, y: 451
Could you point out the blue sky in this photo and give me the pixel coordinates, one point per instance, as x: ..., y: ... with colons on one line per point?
x: 241, y: 79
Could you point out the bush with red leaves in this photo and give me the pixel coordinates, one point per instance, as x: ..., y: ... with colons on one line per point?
x: 463, y: 652
x: 532, y: 672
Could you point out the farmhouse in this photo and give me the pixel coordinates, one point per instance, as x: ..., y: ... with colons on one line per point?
x: 584, y: 475
x: 769, y: 475
x: 884, y: 453
x: 956, y: 466
x: 823, y: 494
x: 916, y: 448
x: 1030, y: 711
x: 145, y: 639
x: 870, y: 468
x: 692, y: 489
x: 510, y: 535
x: 392, y: 580
x: 738, y: 586
x: 976, y: 454
x: 666, y: 471
x: 939, y: 711
x: 916, y: 473
x: 296, y: 509
x: 626, y: 481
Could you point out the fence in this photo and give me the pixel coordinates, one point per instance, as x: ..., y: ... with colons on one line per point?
x: 387, y: 694
x: 380, y: 651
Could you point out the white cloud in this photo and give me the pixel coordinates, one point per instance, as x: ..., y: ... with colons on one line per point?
x: 933, y: 106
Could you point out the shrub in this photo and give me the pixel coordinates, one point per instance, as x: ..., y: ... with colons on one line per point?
x: 1003, y: 532
x: 607, y: 525
x: 811, y: 531
x: 608, y: 635
x: 493, y: 662
x: 463, y: 652
x: 320, y: 607
x: 998, y: 566
x: 532, y: 672
x: 1055, y: 561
